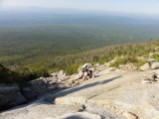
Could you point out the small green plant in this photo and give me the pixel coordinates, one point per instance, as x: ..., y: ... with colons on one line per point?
x: 118, y: 62
x: 71, y: 69
x: 96, y: 59
x: 123, y: 61
x: 156, y: 57
x: 139, y: 63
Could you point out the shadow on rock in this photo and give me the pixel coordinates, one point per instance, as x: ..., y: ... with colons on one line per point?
x: 75, y: 89
x: 12, y: 95
x: 74, y: 117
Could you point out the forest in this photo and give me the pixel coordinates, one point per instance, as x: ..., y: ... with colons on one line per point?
x: 25, y: 60
x: 39, y: 44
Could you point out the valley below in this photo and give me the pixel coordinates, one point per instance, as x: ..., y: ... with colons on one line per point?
x: 78, y: 65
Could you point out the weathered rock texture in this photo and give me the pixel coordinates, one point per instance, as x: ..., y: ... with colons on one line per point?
x: 111, y: 95
x: 10, y: 96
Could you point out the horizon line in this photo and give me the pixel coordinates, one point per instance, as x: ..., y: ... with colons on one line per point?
x: 77, y: 9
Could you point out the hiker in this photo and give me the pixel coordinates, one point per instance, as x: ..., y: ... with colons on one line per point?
x: 86, y: 73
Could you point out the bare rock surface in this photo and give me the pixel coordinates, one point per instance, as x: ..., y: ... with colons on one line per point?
x: 128, y: 67
x: 10, y: 96
x: 39, y: 87
x: 121, y: 92
x: 145, y: 67
x: 79, y: 115
x: 111, y: 95
x: 40, y: 111
x: 155, y: 65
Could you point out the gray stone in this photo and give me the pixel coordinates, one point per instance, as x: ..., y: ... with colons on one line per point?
x: 40, y: 110
x: 9, y: 88
x: 79, y: 115
x: 156, y: 49
x: 103, y: 111
x: 113, y: 95
x: 145, y: 67
x: 155, y: 65
x: 52, y: 87
x: 61, y: 75
x: 5, y: 99
x: 8, y: 93
x: 29, y: 93
x: 17, y: 100
x: 38, y: 87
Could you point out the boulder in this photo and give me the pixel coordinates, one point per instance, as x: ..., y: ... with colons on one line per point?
x: 17, y: 100
x: 155, y: 65
x: 10, y: 96
x: 35, y: 88
x: 61, y: 75
x: 29, y: 93
x: 151, y: 61
x: 145, y: 67
x: 156, y: 49
x: 149, y: 65
x: 39, y: 87
x: 9, y: 88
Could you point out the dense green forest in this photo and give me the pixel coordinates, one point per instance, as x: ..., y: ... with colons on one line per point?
x: 30, y: 51
x: 21, y: 74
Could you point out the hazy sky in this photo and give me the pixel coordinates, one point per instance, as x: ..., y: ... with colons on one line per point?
x: 130, y: 6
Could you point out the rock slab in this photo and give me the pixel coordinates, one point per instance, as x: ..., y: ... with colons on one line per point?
x: 10, y: 96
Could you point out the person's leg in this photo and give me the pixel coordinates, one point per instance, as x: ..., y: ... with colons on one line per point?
x: 85, y: 76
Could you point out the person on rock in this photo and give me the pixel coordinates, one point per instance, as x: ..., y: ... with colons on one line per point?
x: 86, y: 73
